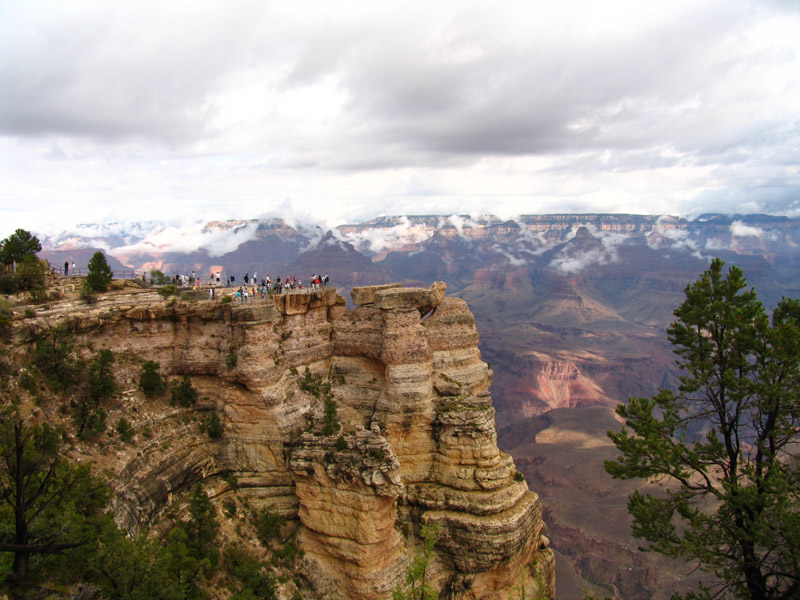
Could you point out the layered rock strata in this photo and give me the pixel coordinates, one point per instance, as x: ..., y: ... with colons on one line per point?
x: 416, y: 444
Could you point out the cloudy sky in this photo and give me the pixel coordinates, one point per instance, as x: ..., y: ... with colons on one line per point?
x: 340, y: 111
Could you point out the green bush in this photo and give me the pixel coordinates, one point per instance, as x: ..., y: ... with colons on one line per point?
x: 230, y: 360
x: 158, y: 278
x: 214, y: 427
x: 53, y: 357
x: 251, y: 579
x: 330, y: 420
x: 87, y: 293
x: 124, y: 429
x: 168, y: 290
x: 518, y: 476
x: 341, y: 443
x: 267, y: 525
x: 151, y: 382
x: 226, y: 300
x: 229, y: 507
x: 287, y: 555
x: 183, y: 394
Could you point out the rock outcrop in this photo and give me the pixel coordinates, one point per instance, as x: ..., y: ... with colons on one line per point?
x: 415, y: 440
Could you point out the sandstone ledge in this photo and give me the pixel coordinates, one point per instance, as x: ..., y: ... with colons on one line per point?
x: 418, y: 440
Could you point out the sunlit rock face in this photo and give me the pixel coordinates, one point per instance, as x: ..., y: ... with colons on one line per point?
x: 416, y: 441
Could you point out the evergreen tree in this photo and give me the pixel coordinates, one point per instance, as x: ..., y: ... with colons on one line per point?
x: 100, y: 385
x: 99, y: 275
x: 18, y: 245
x: 53, y: 356
x: 418, y: 587
x: 183, y: 393
x: 726, y: 442
x: 151, y: 382
x: 48, y: 504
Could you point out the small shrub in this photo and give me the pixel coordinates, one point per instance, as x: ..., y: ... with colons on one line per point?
x: 287, y: 555
x: 183, y: 394
x: 168, y: 290
x: 251, y: 579
x: 267, y: 525
x: 229, y: 507
x: 230, y: 360
x: 124, y: 429
x: 330, y: 420
x: 29, y: 313
x: 230, y: 479
x: 518, y: 476
x: 225, y: 300
x: 158, y: 277
x: 341, y: 443
x: 214, y: 427
x: 151, y: 382
x: 88, y: 294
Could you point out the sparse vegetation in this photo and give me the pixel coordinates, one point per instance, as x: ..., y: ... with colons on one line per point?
x: 330, y: 418
x: 267, y: 525
x: 87, y: 411
x: 321, y: 390
x: 251, y: 579
x: 151, y: 382
x: 124, y: 429
x: 183, y: 393
x: 168, y: 290
x: 417, y: 585
x: 158, y: 278
x: 214, y: 427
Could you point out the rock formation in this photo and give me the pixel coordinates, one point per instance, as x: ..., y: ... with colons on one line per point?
x: 417, y: 441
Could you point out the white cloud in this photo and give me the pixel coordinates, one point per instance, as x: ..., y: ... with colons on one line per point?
x: 739, y: 229
x: 572, y: 260
x: 124, y: 110
x: 216, y: 240
x: 377, y: 240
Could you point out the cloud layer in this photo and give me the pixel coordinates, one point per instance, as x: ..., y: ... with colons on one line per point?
x: 348, y: 110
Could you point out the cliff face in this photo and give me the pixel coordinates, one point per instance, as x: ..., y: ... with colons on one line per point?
x: 417, y: 442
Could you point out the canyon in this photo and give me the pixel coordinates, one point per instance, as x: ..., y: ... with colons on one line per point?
x: 571, y: 310
x: 417, y: 443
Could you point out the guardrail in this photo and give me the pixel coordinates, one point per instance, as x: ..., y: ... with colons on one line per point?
x: 81, y: 272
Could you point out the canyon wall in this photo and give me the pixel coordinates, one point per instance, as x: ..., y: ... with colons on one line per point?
x: 417, y: 443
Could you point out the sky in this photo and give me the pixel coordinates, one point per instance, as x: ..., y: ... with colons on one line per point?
x: 336, y: 112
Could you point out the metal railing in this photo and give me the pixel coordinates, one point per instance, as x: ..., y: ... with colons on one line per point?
x: 82, y: 272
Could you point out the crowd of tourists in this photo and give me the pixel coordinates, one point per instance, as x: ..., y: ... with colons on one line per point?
x: 251, y: 287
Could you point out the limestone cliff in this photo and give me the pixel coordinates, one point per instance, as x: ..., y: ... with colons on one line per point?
x: 417, y: 442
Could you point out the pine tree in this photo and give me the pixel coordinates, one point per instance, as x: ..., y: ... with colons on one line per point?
x: 726, y: 442
x: 99, y: 276
x: 18, y: 245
